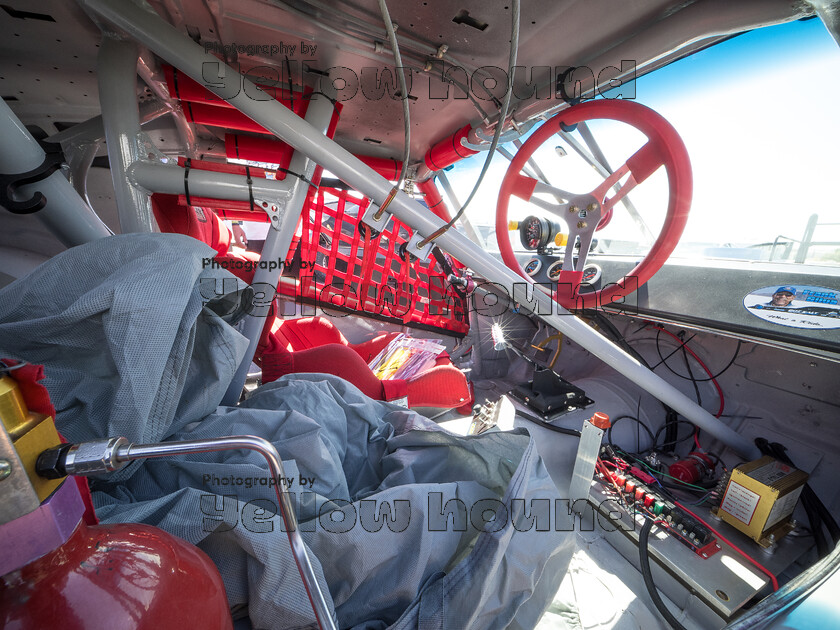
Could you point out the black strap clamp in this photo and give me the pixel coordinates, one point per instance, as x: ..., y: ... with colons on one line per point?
x: 53, y: 159
x: 250, y: 187
x: 187, y: 166
x: 571, y: 100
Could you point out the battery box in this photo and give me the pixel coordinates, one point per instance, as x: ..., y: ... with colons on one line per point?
x: 760, y: 497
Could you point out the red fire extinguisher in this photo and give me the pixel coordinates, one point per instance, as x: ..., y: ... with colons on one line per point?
x: 58, y: 571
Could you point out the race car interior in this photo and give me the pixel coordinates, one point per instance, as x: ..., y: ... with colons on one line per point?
x: 365, y: 314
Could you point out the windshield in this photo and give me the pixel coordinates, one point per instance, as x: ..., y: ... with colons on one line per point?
x: 758, y: 115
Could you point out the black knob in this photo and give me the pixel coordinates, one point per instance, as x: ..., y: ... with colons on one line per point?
x: 50, y: 464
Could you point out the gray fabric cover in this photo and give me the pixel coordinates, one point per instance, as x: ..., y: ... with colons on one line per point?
x: 130, y: 349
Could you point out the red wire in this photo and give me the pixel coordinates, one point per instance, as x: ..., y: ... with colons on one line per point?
x: 761, y: 568
x: 599, y: 463
x: 702, y: 365
x: 696, y: 440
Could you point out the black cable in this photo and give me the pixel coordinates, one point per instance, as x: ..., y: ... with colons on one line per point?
x: 678, y: 485
x: 551, y: 427
x: 673, y: 352
x: 826, y: 516
x: 670, y: 414
x: 808, y: 493
x: 671, y: 429
x: 638, y: 423
x: 691, y: 375
x: 717, y: 457
x: 250, y: 187
x: 816, y: 527
x: 664, y: 360
x: 671, y: 421
x: 678, y: 441
x: 644, y: 564
x: 617, y: 337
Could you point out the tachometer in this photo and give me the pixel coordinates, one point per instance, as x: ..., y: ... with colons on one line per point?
x: 534, y: 233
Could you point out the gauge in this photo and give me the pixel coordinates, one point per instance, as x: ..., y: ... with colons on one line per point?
x: 554, y: 270
x: 591, y: 274
x: 533, y: 267
x: 534, y: 233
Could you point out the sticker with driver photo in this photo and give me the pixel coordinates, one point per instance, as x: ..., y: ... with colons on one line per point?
x: 796, y: 306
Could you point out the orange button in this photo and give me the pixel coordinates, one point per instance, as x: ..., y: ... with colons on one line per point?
x: 600, y: 420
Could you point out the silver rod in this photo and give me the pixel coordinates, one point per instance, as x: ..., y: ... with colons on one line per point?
x: 829, y: 12
x: 169, y: 179
x: 593, y: 145
x: 80, y: 158
x: 806, y: 243
x: 93, y: 129
x: 117, y: 74
x: 603, y: 172
x: 278, y: 241
x: 453, y: 199
x: 150, y: 72
x: 525, y: 169
x: 533, y: 164
x: 177, y: 49
x: 275, y: 465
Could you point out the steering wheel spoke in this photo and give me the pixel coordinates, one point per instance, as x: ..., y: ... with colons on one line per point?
x: 583, y: 218
x: 527, y: 188
x: 558, y: 193
x: 559, y: 209
x: 587, y: 213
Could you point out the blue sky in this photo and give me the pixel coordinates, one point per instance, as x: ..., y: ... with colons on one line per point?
x: 759, y: 117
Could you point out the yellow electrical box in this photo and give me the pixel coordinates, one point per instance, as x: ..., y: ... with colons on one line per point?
x: 760, y: 498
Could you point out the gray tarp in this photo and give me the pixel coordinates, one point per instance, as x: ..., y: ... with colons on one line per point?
x: 130, y: 349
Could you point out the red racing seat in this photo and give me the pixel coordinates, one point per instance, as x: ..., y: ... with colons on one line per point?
x: 314, y: 344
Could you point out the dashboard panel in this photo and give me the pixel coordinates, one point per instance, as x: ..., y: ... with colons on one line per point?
x: 731, y: 297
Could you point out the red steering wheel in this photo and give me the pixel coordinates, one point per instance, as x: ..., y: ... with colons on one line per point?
x: 588, y: 212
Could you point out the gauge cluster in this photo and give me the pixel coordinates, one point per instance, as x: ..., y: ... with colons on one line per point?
x: 545, y: 268
x: 541, y: 236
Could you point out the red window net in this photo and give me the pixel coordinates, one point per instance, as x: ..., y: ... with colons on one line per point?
x: 347, y: 268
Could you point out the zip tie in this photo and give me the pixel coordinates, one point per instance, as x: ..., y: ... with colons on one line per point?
x: 298, y: 175
x: 187, y: 166
x: 250, y: 189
